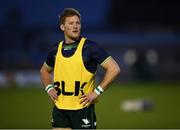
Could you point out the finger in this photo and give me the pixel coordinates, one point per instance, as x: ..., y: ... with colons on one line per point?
x: 56, y: 91
x: 89, y: 103
x: 83, y: 96
x: 53, y: 99
x: 55, y: 96
x: 83, y: 100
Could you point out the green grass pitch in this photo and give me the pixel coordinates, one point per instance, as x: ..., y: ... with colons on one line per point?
x: 31, y: 107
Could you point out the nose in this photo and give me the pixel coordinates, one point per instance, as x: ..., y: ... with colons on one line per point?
x: 75, y: 26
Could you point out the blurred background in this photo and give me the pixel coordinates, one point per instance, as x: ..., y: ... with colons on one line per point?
x: 142, y: 36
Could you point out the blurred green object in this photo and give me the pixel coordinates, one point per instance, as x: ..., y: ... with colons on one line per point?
x: 30, y: 107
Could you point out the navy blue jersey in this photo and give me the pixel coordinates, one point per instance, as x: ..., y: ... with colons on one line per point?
x: 92, y: 53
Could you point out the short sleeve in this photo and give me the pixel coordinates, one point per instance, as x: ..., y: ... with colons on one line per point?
x: 99, y: 55
x: 50, y: 59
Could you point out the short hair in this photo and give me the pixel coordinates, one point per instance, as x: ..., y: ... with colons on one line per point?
x: 67, y: 13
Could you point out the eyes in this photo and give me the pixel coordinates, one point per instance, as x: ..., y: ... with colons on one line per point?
x: 72, y: 23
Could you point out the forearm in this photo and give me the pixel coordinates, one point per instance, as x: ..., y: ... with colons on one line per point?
x: 46, y: 76
x: 46, y: 79
x: 109, y: 76
x: 112, y: 70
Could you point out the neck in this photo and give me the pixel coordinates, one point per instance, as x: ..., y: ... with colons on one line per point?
x: 70, y: 40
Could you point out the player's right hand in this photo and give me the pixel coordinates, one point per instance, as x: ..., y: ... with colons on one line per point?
x: 53, y: 94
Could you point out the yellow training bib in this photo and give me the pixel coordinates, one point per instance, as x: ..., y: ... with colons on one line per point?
x: 72, y: 78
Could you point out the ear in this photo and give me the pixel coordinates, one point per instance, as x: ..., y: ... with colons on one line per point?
x: 62, y: 27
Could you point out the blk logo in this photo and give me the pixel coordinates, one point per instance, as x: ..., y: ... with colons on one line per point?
x: 78, y: 87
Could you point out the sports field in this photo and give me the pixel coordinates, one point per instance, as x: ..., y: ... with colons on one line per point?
x: 31, y: 107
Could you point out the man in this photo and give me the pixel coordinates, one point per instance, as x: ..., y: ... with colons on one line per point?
x: 74, y: 62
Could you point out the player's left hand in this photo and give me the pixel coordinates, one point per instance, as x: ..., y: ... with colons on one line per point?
x: 86, y: 99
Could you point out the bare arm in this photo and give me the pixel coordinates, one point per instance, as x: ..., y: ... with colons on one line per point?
x: 46, y: 76
x: 112, y: 70
x: 46, y: 79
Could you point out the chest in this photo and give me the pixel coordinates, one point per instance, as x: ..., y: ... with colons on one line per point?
x: 86, y: 56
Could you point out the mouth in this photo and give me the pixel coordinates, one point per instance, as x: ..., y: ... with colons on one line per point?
x: 75, y: 31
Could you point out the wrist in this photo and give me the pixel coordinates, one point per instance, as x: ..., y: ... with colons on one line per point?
x: 99, y: 90
x: 49, y: 87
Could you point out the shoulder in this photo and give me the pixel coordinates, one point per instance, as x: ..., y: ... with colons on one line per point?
x: 53, y: 49
x: 93, y: 46
x: 55, y: 46
x: 50, y: 59
x: 90, y: 44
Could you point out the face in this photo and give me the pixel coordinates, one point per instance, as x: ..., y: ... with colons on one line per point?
x: 71, y: 28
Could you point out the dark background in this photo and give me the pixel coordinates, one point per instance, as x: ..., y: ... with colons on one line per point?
x: 144, y: 29
x: 142, y: 36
